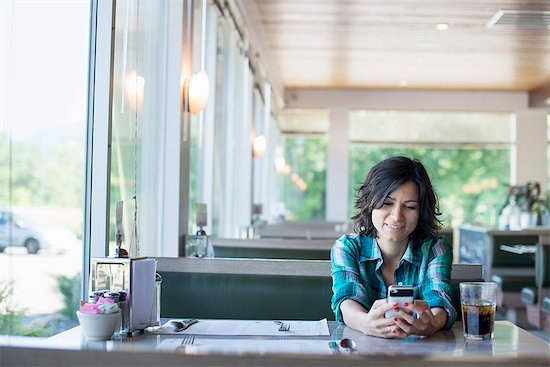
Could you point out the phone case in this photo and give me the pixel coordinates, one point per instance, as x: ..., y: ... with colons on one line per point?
x: 401, y: 295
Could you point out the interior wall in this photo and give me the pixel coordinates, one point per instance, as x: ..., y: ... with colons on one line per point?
x: 529, y: 160
x: 337, y: 166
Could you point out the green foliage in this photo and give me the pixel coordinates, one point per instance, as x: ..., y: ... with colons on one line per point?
x: 42, y: 175
x: 8, y: 316
x: 307, y: 158
x: 470, y: 182
x: 69, y: 287
x: 30, y: 174
x: 11, y: 319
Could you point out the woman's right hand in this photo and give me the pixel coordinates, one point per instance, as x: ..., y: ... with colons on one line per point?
x: 373, y: 322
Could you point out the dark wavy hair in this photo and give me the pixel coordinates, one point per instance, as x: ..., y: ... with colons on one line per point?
x: 386, y: 177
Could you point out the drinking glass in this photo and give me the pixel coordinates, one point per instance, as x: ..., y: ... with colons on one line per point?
x: 478, y: 300
x: 195, y: 246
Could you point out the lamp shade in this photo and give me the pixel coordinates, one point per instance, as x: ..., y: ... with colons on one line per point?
x: 198, y: 92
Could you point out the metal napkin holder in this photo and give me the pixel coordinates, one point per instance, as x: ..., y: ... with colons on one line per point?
x: 136, y: 277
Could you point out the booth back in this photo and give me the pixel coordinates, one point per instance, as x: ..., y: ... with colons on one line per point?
x: 259, y: 289
x: 245, y: 289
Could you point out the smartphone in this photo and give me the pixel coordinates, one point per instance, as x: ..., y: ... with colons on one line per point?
x: 401, y: 294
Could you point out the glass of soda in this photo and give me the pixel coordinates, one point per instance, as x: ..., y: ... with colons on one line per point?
x: 478, y: 300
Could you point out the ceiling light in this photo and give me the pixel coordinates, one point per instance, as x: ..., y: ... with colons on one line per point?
x: 442, y: 26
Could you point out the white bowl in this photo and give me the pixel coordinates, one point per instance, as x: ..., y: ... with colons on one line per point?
x: 98, y: 326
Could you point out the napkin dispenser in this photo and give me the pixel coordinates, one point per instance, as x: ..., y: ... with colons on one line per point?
x: 134, y: 277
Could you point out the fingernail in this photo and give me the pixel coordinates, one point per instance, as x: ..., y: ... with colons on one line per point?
x: 405, y: 304
x: 394, y: 304
x: 393, y: 331
x: 411, y: 313
x: 395, y: 319
x: 397, y: 309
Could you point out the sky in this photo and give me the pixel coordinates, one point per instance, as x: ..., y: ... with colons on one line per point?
x: 44, y: 48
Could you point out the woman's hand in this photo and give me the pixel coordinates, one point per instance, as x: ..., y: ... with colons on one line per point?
x: 374, y: 322
x: 427, y: 321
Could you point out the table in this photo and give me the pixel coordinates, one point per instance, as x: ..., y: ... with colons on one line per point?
x: 511, y: 346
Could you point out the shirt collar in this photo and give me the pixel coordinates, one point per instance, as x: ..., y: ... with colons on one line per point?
x: 371, y: 251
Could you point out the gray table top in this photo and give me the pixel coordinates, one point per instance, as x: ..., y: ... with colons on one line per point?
x: 511, y: 346
x: 509, y: 341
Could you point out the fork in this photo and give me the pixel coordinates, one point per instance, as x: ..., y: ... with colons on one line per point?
x: 188, y: 339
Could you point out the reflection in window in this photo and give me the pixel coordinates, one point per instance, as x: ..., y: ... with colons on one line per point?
x: 466, y: 154
x: 138, y: 115
x: 232, y: 146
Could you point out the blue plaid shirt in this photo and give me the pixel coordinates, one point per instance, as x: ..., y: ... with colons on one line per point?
x: 356, y: 274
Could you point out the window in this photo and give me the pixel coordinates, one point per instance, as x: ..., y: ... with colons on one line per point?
x: 466, y: 154
x: 138, y: 124
x: 301, y: 163
x: 43, y: 96
x: 231, y: 201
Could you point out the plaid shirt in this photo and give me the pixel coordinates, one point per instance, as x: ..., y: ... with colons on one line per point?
x: 356, y: 274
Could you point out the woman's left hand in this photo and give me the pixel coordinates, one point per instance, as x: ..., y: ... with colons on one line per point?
x: 426, y: 322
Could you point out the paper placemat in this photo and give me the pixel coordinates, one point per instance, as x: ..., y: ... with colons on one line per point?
x: 249, y: 328
x: 246, y: 346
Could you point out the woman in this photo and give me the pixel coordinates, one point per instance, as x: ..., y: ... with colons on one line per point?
x: 396, y: 243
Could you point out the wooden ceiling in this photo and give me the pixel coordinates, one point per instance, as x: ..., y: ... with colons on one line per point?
x: 395, y: 44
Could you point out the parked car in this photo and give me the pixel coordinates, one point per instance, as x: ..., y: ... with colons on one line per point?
x: 22, y: 231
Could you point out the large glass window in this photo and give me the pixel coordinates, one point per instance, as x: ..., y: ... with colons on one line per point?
x: 232, y: 155
x: 301, y: 163
x: 466, y: 154
x: 43, y: 96
x: 302, y: 179
x: 138, y: 124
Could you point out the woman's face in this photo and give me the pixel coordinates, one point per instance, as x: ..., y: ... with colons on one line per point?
x: 398, y: 216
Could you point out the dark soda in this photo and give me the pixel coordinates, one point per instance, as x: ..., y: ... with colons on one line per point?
x: 478, y: 321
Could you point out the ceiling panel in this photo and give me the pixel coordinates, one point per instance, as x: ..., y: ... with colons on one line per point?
x: 395, y: 44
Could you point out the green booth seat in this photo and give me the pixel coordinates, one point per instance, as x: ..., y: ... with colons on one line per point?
x: 259, y: 289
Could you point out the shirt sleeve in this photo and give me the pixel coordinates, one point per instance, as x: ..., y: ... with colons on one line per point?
x: 437, y: 290
x: 346, y: 279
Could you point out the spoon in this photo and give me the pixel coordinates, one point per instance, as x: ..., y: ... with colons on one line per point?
x: 348, y: 344
x: 182, y: 325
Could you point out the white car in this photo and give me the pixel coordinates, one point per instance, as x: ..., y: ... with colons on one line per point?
x: 21, y: 231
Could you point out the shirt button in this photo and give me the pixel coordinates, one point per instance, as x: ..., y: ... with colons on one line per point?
x: 400, y: 283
